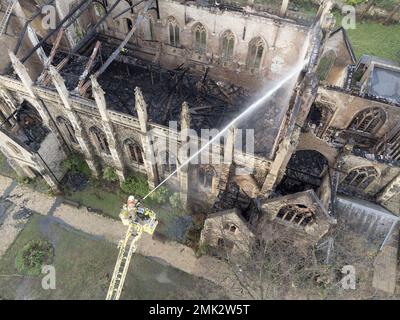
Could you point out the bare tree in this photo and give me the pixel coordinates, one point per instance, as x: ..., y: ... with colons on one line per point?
x: 284, y: 266
x: 368, y: 7
x: 392, y: 14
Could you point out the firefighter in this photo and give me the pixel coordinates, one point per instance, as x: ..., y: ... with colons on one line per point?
x: 132, y: 204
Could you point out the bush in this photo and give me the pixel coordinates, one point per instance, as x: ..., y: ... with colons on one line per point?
x: 136, y: 185
x: 175, y: 201
x: 160, y: 196
x: 33, y: 256
x: 76, y: 164
x: 23, y: 180
x: 110, y: 175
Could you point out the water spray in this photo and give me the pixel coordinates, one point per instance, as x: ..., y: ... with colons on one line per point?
x: 250, y: 109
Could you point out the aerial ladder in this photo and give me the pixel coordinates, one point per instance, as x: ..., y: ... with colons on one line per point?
x: 6, y: 17
x: 139, y: 220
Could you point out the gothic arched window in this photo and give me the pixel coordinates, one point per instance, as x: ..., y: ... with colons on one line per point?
x: 148, y: 28
x: 134, y: 151
x: 206, y: 176
x: 391, y: 146
x: 297, y: 214
x: 369, y: 120
x: 255, y: 54
x: 100, y: 140
x: 174, y: 32
x: 360, y: 178
x: 200, y: 38
x: 325, y: 65
x: 67, y: 129
x: 227, y: 45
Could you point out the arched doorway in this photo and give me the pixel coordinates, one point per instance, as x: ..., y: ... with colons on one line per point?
x: 305, y: 171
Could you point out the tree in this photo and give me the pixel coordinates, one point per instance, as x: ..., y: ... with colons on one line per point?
x: 369, y: 5
x: 281, y: 265
x: 110, y: 175
x: 392, y: 14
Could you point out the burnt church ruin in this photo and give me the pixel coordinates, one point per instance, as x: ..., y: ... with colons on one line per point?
x: 110, y: 77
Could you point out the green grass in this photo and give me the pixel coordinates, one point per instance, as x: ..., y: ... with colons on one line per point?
x: 83, y: 267
x: 5, y: 168
x: 375, y: 39
x: 109, y: 203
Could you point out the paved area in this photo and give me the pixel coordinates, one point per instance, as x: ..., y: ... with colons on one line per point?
x: 172, y: 253
x: 385, y: 273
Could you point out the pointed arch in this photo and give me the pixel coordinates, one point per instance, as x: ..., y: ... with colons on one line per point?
x: 148, y: 27
x: 67, y: 129
x: 173, y: 31
x: 256, y: 53
x: 227, y: 45
x: 360, y: 178
x: 206, y: 176
x: 325, y: 65
x: 31, y: 123
x: 134, y: 151
x: 100, y: 140
x: 200, y: 38
x: 297, y: 215
x: 369, y: 120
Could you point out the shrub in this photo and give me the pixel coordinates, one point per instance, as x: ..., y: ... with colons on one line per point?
x: 160, y: 196
x: 33, y: 256
x: 23, y: 180
x: 110, y: 175
x: 175, y: 201
x: 76, y: 164
x: 136, y: 185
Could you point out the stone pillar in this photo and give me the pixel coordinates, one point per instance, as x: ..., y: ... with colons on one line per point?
x: 184, y: 153
x: 28, y: 84
x: 325, y: 190
x: 146, y: 139
x: 80, y: 134
x: 284, y: 7
x: 391, y: 190
x: 300, y: 110
x: 227, y: 162
x: 325, y: 16
x: 115, y: 150
x: 10, y: 103
x: 282, y: 154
